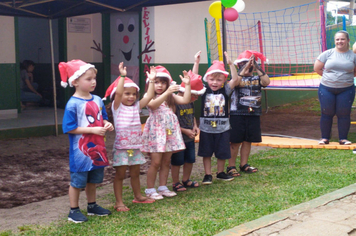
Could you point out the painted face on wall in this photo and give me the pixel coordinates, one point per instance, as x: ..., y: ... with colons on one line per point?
x: 126, y: 31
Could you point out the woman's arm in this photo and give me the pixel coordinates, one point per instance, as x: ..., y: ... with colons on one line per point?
x: 318, y: 67
x: 30, y: 87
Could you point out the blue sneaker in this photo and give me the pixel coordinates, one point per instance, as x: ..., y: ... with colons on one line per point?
x: 95, y: 209
x: 76, y: 216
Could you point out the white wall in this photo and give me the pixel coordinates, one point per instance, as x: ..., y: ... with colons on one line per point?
x: 7, y: 40
x: 78, y: 44
x: 180, y: 30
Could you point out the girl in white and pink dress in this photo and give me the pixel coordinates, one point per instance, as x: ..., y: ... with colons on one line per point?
x: 161, y: 135
x: 126, y: 153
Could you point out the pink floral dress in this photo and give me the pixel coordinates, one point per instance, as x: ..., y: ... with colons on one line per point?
x: 162, y: 131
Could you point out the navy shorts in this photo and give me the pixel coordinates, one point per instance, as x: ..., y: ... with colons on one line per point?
x: 184, y: 156
x: 80, y: 179
x: 215, y: 143
x: 245, y: 128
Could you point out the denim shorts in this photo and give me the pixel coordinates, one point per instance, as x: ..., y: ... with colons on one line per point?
x: 184, y: 156
x: 80, y: 179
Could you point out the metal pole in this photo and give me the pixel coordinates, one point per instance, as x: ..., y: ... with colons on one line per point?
x: 53, y: 78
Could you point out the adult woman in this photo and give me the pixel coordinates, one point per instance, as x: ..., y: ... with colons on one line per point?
x: 28, y: 87
x: 336, y: 90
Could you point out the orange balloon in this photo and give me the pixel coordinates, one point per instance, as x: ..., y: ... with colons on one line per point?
x: 215, y: 10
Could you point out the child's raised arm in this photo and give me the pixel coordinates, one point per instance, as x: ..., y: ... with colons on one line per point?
x: 120, y: 86
x: 196, y: 63
x: 155, y: 103
x: 151, y: 87
x: 235, y: 79
x: 187, y: 93
x: 263, y: 76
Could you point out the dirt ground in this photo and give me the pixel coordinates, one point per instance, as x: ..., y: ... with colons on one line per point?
x: 36, y: 169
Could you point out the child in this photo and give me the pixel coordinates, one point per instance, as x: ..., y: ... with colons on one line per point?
x: 215, y: 127
x: 246, y: 110
x: 85, y: 121
x: 162, y: 135
x: 125, y: 109
x: 189, y: 128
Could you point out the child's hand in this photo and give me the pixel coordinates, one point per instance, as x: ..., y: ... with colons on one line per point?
x: 196, y: 130
x: 186, y: 78
x: 228, y: 59
x: 122, y: 69
x: 197, y: 57
x: 173, y: 88
x: 108, y: 126
x: 152, y: 75
x: 99, y: 130
x: 190, y: 133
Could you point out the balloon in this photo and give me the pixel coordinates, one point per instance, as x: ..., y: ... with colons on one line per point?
x: 215, y: 10
x: 231, y: 14
x: 228, y: 3
x: 239, y: 6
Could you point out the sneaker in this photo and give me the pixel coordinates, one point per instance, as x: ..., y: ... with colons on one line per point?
x: 76, y: 216
x: 95, y: 209
x: 224, y: 176
x: 208, y: 179
x: 354, y: 151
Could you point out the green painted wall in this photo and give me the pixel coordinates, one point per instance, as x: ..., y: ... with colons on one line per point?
x: 8, y: 88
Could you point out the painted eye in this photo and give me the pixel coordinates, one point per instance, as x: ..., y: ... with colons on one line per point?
x: 119, y: 25
x: 98, y: 116
x: 90, y: 119
x: 131, y: 25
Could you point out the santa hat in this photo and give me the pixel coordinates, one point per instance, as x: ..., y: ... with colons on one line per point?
x: 112, y: 88
x: 196, y: 84
x: 162, y: 72
x: 245, y: 56
x: 217, y: 67
x: 73, y: 70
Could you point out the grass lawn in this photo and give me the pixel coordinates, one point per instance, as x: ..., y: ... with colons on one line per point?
x: 286, y: 177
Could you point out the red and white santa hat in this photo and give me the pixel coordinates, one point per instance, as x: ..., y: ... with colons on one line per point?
x: 162, y: 72
x: 112, y: 88
x: 245, y: 56
x: 216, y: 67
x: 196, y: 84
x: 73, y: 70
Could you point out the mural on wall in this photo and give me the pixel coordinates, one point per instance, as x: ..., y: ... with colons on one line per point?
x: 124, y: 37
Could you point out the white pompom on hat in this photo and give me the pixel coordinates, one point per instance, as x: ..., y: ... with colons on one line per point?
x: 112, y: 88
x: 216, y: 67
x: 73, y: 70
x: 196, y: 84
x: 245, y: 56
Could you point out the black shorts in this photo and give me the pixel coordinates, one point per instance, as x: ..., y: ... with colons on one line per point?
x: 245, y: 128
x: 215, y: 143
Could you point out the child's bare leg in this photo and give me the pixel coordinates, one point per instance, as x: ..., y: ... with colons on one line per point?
x: 156, y: 159
x: 207, y: 165
x: 175, y: 173
x: 234, y: 148
x: 135, y: 182
x: 164, y: 170
x: 74, y: 196
x: 118, y: 184
x: 221, y: 165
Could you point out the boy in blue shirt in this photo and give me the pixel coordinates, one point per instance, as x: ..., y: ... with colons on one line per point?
x: 86, y: 122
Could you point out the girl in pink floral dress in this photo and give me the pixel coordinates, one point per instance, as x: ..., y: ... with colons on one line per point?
x: 125, y: 108
x: 161, y: 135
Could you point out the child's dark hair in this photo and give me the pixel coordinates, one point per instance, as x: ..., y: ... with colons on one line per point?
x: 170, y: 101
x: 25, y: 64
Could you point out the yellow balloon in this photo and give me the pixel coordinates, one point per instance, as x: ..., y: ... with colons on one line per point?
x: 215, y: 10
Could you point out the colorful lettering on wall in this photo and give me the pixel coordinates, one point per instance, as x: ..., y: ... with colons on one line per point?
x: 147, y: 38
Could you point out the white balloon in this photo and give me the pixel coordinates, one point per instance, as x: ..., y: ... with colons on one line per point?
x: 239, y: 6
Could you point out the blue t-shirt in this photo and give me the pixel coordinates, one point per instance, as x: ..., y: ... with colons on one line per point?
x: 87, y: 151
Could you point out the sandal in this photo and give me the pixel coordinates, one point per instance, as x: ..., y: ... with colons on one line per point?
x: 344, y: 142
x: 167, y: 193
x: 232, y: 171
x: 121, y: 208
x: 248, y: 169
x: 323, y: 142
x: 190, y: 183
x: 178, y: 187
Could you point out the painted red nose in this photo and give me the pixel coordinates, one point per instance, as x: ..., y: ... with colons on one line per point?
x: 126, y: 39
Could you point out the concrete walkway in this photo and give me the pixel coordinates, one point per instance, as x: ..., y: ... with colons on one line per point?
x: 333, y: 214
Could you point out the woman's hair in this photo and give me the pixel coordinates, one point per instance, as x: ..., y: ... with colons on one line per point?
x: 170, y: 100
x: 25, y: 64
x: 343, y: 32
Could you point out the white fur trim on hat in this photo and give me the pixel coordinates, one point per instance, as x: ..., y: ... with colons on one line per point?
x: 237, y: 61
x: 214, y: 71
x: 195, y: 92
x: 78, y: 73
